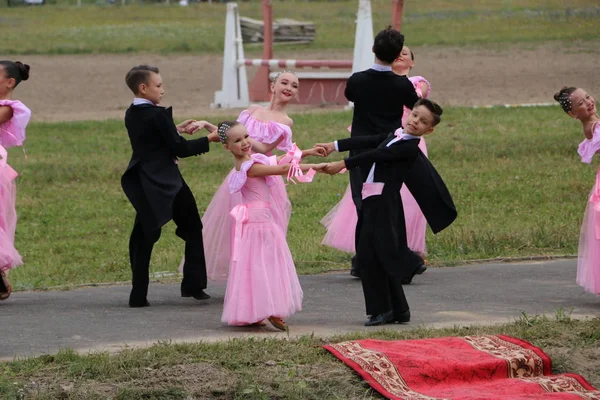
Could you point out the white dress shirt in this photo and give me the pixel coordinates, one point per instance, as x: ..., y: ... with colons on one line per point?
x: 138, y: 100
x: 381, y: 68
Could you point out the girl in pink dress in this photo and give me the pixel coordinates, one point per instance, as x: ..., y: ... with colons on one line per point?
x: 340, y: 221
x: 269, y: 128
x: 14, y: 117
x: 262, y: 282
x: 580, y: 105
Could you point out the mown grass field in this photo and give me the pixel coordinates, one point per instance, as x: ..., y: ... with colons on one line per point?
x: 98, y: 27
x: 516, y: 179
x: 266, y: 368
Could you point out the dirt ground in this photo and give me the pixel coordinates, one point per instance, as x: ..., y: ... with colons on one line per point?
x: 91, y: 87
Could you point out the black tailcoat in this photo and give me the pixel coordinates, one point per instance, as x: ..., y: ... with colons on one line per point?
x: 382, y: 220
x: 152, y: 179
x: 379, y: 99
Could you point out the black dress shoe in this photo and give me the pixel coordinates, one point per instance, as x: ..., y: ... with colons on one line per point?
x: 402, y: 317
x: 355, y: 273
x: 198, y: 295
x: 138, y: 303
x: 380, y: 319
x: 418, y: 271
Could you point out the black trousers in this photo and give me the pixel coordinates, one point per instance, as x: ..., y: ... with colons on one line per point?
x: 382, y: 291
x: 189, y: 228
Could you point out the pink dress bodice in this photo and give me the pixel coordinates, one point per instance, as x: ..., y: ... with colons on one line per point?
x: 12, y: 132
x: 589, y: 147
x: 267, y: 132
x: 252, y: 189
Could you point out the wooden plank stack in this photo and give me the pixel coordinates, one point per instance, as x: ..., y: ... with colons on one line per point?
x: 284, y: 30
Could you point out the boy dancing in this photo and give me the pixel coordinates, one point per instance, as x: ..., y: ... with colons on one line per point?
x: 156, y: 188
x: 395, y: 159
x: 379, y: 97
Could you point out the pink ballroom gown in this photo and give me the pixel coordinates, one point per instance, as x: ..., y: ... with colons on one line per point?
x: 216, y: 221
x: 588, y: 261
x: 341, y: 220
x: 12, y: 133
x: 262, y: 277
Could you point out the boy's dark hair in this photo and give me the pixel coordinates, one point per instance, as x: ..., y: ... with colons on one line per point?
x: 564, y: 97
x: 432, y: 106
x: 138, y: 75
x: 16, y: 70
x: 388, y: 45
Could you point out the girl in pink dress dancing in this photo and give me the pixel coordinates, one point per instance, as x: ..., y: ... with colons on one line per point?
x: 340, y: 221
x: 580, y: 105
x: 270, y: 128
x: 262, y: 282
x: 14, y: 117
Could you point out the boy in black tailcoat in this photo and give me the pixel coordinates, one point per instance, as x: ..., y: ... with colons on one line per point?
x: 394, y: 159
x: 379, y: 97
x: 155, y: 186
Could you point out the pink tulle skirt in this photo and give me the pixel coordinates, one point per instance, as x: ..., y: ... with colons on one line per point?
x: 217, y: 226
x: 262, y: 279
x: 341, y: 220
x: 588, y: 262
x: 9, y: 256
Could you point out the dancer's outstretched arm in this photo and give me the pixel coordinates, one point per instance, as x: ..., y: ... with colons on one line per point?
x: 361, y: 142
x: 263, y: 148
x: 258, y: 170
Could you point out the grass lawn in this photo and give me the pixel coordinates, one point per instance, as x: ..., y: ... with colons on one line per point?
x: 515, y: 176
x: 260, y: 368
x: 101, y: 28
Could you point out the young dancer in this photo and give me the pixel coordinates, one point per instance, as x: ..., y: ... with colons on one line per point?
x: 14, y: 117
x: 381, y: 246
x: 340, y: 221
x: 262, y: 281
x: 580, y: 105
x: 269, y: 128
x: 379, y: 96
x: 156, y: 188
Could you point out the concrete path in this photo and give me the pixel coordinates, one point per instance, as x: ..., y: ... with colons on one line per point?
x: 34, y: 323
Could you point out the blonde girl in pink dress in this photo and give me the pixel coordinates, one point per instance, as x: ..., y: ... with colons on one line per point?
x: 269, y: 128
x: 14, y: 117
x: 580, y: 105
x: 262, y: 282
x: 341, y: 220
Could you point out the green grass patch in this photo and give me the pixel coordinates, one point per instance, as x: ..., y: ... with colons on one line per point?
x: 158, y: 28
x: 515, y: 176
x: 267, y: 368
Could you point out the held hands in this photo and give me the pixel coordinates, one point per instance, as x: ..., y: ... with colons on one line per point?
x: 194, y: 126
x: 333, y: 168
x: 327, y: 148
x: 315, y: 151
x: 182, y: 127
x: 319, y: 167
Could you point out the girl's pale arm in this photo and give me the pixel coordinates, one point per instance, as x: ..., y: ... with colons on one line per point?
x: 263, y: 148
x: 258, y: 170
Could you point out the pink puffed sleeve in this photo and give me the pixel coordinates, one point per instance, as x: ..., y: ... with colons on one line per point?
x: 237, y: 179
x: 12, y: 132
x: 589, y: 147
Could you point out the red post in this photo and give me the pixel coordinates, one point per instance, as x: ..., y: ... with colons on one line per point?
x: 259, y: 87
x: 397, y: 6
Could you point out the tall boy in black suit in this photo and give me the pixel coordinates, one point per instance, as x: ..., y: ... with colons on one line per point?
x: 394, y: 160
x: 379, y: 97
x: 156, y: 188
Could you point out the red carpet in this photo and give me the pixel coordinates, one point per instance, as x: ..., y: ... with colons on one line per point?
x: 471, y: 367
